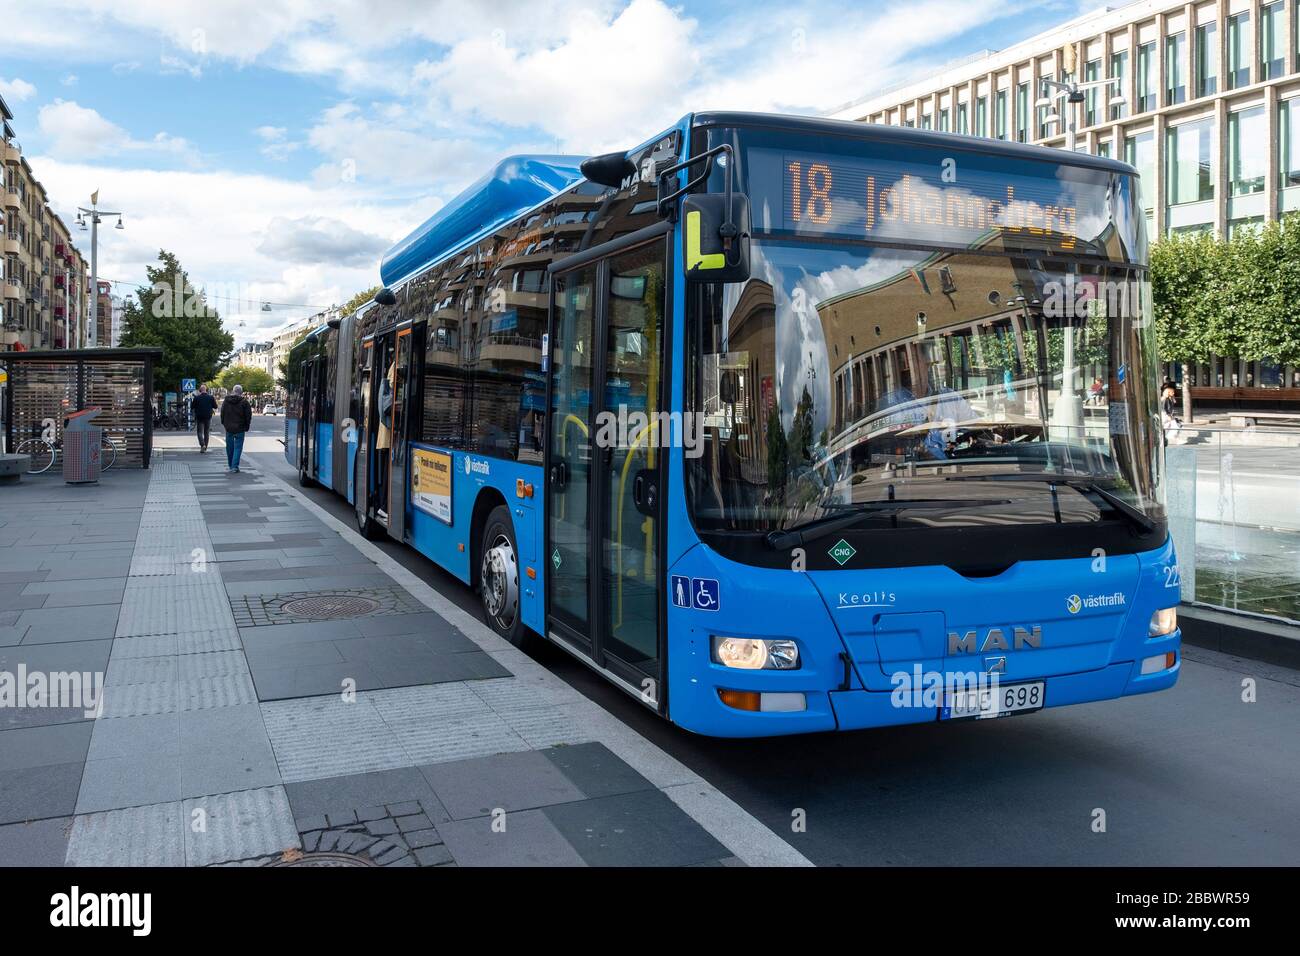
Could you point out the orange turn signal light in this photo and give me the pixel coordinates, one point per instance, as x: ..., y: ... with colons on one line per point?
x: 523, y: 489
x: 532, y: 574
x: 741, y: 699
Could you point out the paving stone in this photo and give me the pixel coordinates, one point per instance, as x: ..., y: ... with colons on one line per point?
x: 250, y: 823
x: 60, y: 624
x: 42, y: 746
x: 38, y: 843
x: 157, y: 734
x: 324, y: 737
x: 404, y: 809
x: 34, y: 793
x: 432, y: 855
x: 341, y: 818
x: 418, y: 838
x: 595, y: 770
x: 516, y: 781
x: 364, y: 790
x: 312, y: 821
x: 633, y: 829
x: 365, y: 814
x: 135, y: 780
x: 478, y: 736
x: 416, y: 821
x: 133, y: 836
x: 385, y: 827
x: 530, y: 839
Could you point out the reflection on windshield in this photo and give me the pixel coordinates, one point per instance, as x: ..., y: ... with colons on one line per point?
x: 837, y: 376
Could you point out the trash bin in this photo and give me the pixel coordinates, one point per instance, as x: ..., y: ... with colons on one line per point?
x: 81, y: 447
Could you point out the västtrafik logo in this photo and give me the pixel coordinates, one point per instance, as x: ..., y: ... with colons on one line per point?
x: 1074, y: 603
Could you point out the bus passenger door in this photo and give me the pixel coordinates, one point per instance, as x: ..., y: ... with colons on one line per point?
x: 400, y: 377
x: 365, y: 426
x: 604, y: 507
x: 307, y: 419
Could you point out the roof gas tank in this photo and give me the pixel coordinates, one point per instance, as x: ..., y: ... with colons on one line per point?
x: 513, y: 186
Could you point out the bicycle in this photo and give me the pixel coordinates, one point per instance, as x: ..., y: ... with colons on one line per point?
x: 43, y: 454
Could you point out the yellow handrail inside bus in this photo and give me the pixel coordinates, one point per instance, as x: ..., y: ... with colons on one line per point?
x: 647, y: 527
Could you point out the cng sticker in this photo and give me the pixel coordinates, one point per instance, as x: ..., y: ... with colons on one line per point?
x: 841, y: 552
x: 555, y: 559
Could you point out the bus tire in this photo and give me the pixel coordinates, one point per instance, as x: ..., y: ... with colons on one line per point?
x: 498, y: 577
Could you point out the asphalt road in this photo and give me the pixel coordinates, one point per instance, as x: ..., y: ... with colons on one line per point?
x: 1192, y: 776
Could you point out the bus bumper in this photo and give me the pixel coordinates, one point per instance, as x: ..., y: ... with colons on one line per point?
x: 860, y: 709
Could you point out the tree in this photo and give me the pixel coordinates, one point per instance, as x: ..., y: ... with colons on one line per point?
x: 1274, y: 329
x: 254, y: 380
x: 360, y: 299
x: 172, y: 314
x: 1192, y: 302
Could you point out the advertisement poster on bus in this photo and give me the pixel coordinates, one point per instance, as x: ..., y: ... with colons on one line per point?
x: 431, y: 483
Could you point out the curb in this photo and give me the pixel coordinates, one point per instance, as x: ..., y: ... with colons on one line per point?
x: 1241, y: 635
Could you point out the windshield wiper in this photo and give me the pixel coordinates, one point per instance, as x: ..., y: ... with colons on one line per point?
x: 1083, y: 483
x: 829, y: 524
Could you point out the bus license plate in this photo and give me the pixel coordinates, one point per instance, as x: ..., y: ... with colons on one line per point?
x: 980, y: 703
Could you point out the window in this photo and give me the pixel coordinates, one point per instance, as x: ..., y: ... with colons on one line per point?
x: 1246, y: 225
x: 925, y: 121
x: 1189, y: 162
x: 1146, y: 77
x: 1175, y: 69
x: 1000, y: 115
x: 1041, y: 126
x: 1207, y: 82
x: 1091, y: 73
x: 943, y: 121
x: 961, y: 119
x: 1103, y: 148
x: 1022, y: 113
x: 1140, y: 152
x: 1238, y: 71
x: 1247, y: 151
x: 1272, y: 46
x: 982, y: 116
x: 1289, y: 143
x: 1119, y: 71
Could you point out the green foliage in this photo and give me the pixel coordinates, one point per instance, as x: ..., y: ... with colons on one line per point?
x: 360, y: 299
x: 1234, y: 297
x: 172, y: 314
x: 254, y: 380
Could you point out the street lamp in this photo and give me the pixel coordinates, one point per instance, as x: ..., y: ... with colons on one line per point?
x: 94, y: 212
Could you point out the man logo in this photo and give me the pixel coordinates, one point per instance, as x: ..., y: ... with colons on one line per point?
x: 1073, y: 603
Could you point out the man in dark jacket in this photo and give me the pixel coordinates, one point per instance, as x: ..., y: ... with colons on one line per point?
x: 203, y: 406
x: 236, y: 419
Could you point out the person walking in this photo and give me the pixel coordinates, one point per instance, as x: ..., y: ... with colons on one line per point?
x: 203, y: 406
x: 236, y: 419
x: 1169, y: 411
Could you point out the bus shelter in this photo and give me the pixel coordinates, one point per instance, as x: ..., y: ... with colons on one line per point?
x: 41, y: 388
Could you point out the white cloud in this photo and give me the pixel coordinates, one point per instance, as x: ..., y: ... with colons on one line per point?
x: 361, y: 149
x: 75, y: 130
x: 16, y: 89
x: 320, y: 240
x: 598, y: 85
x: 207, y: 219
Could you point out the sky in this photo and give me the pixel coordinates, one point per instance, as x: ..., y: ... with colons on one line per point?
x: 279, y: 147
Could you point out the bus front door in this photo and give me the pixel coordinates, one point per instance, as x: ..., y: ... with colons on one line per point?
x: 604, y: 510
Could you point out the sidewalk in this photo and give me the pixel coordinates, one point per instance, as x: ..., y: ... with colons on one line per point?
x: 277, y: 690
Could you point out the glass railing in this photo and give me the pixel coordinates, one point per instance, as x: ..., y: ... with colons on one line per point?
x: 1234, y: 511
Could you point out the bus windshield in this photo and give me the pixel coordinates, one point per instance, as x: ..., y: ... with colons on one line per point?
x: 940, y: 383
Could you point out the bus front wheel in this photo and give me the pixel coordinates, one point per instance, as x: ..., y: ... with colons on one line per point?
x: 499, y: 577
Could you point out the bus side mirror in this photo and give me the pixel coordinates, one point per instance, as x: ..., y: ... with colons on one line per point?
x: 715, y: 245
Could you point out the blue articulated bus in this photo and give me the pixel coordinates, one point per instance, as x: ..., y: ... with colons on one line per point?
x: 782, y: 424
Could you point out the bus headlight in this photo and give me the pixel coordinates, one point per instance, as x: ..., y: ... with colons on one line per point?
x: 1163, y: 622
x: 750, y: 653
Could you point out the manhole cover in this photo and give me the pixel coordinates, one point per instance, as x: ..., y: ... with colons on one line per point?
x: 328, y: 607
x: 325, y: 859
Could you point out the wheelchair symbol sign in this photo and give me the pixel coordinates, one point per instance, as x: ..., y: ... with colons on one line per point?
x: 702, y: 594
